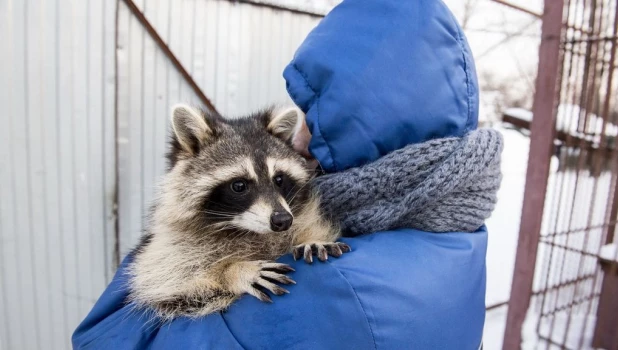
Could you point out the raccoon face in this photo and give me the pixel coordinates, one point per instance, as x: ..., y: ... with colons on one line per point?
x: 234, y: 175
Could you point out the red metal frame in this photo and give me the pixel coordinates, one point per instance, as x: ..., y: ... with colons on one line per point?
x: 541, y: 144
x: 577, y: 64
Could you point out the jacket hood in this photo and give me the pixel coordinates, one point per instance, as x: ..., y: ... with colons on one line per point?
x: 395, y: 74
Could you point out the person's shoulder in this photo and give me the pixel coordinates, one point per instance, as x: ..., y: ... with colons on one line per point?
x: 396, y: 288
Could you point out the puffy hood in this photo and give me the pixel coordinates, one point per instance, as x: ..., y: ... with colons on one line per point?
x: 397, y: 72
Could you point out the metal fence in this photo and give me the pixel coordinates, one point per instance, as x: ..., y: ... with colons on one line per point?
x: 563, y: 275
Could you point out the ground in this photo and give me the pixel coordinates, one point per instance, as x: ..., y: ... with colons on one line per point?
x: 503, y: 228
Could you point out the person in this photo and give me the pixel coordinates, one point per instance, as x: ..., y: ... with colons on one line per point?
x: 391, y: 99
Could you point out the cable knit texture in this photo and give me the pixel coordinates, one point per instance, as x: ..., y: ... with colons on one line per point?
x: 442, y: 185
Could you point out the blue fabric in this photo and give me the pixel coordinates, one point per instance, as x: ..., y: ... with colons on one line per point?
x: 374, y: 76
x: 377, y: 75
x: 402, y: 289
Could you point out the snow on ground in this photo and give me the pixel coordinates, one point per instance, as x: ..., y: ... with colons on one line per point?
x: 503, y: 225
x: 568, y: 120
x: 609, y: 252
x: 495, y: 323
x: 584, y: 209
x: 556, y: 331
x: 503, y: 228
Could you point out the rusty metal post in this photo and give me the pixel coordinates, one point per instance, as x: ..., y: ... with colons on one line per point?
x: 611, y: 228
x: 541, y: 141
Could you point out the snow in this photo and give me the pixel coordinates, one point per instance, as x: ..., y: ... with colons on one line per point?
x: 567, y: 120
x: 495, y: 324
x: 609, y: 252
x: 557, y: 331
x: 503, y: 234
x: 503, y: 228
x: 519, y: 113
x: 503, y: 225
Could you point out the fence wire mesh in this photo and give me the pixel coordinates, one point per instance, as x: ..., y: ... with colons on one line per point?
x: 581, y: 204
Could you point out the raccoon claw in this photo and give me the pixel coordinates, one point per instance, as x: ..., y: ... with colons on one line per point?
x: 270, y: 273
x: 305, y: 251
x: 308, y: 254
x: 321, y: 250
x: 277, y: 267
x: 277, y: 277
x: 337, y: 249
x: 260, y: 295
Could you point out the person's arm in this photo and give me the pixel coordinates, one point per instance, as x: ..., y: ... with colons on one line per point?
x: 114, y: 324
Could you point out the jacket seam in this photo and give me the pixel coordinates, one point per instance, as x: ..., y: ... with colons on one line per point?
x: 467, y: 71
x: 466, y: 68
x: 88, y: 338
x: 230, y: 331
x: 375, y: 346
x: 317, y: 103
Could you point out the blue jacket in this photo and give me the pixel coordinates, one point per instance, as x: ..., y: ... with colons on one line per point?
x: 374, y: 76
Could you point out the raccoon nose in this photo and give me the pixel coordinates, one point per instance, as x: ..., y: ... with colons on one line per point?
x: 280, y: 221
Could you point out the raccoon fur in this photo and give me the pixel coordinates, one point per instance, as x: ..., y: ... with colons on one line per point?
x: 235, y: 198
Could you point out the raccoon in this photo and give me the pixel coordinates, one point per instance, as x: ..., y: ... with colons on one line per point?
x: 235, y: 198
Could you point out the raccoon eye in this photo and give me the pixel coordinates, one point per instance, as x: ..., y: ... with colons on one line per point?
x: 278, y: 180
x: 239, y: 186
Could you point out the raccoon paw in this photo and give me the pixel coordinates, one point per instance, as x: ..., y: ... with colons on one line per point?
x: 259, y: 276
x: 321, y: 249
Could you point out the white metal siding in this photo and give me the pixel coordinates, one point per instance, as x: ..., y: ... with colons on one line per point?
x: 148, y: 85
x: 56, y: 166
x: 236, y: 54
x: 58, y: 161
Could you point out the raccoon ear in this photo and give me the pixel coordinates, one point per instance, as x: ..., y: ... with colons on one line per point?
x: 285, y: 123
x: 190, y: 127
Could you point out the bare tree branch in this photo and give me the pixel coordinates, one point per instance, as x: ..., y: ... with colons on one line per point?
x: 469, y: 9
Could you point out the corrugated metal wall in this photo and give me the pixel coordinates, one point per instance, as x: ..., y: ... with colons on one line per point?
x: 56, y: 165
x: 61, y: 69
x: 235, y: 52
